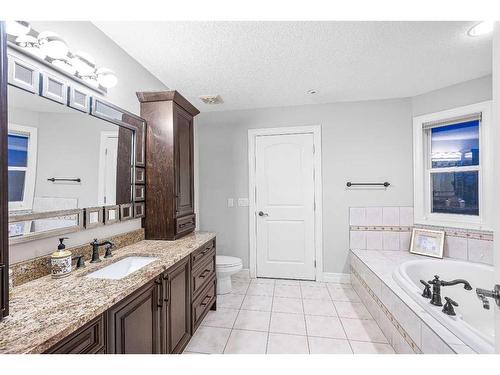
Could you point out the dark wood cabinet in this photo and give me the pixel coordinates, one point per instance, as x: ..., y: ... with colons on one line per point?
x: 4, y: 244
x: 169, y: 164
x: 134, y: 323
x: 203, y: 283
x: 89, y: 339
x: 178, y: 306
x: 160, y: 317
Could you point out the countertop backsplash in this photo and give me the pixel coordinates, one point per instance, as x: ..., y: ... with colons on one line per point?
x: 389, y: 228
x: 32, y: 269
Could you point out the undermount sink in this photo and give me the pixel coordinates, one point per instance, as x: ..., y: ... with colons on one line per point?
x: 121, y: 268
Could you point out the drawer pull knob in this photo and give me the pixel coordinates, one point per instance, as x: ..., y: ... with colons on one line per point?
x: 204, y: 273
x: 206, y: 300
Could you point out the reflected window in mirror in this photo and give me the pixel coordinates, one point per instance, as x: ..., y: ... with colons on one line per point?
x: 22, y: 157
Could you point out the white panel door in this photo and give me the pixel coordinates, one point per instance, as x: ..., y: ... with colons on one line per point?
x: 285, y: 206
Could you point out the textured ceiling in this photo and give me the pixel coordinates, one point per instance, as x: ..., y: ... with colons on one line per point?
x: 267, y: 64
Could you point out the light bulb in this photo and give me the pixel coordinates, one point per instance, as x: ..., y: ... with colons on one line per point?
x: 482, y: 28
x: 53, y: 45
x: 106, y: 77
x: 83, y: 63
x: 17, y: 28
x: 64, y: 65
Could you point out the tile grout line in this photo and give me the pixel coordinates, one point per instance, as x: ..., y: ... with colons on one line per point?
x: 270, y: 318
x: 340, y: 320
x: 232, y: 327
x: 305, y: 322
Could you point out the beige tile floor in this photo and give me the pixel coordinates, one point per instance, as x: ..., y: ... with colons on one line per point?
x: 289, y: 317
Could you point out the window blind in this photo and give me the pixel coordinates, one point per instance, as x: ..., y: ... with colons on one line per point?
x: 453, y: 120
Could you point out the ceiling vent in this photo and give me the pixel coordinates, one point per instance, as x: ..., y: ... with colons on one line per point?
x: 211, y: 99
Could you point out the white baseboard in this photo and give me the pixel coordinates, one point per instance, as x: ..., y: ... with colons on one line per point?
x: 327, y: 277
x: 332, y: 277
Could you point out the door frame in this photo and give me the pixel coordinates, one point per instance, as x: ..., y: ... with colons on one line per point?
x: 315, y: 130
x: 104, y: 135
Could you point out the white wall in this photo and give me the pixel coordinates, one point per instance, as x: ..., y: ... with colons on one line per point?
x: 468, y: 92
x: 363, y: 141
x: 132, y: 77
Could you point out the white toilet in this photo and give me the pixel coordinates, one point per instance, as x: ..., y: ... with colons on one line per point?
x: 225, y: 267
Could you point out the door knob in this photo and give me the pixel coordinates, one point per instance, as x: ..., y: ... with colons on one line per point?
x: 262, y: 214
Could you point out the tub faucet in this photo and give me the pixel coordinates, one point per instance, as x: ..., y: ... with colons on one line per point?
x: 436, y: 288
x: 484, y: 300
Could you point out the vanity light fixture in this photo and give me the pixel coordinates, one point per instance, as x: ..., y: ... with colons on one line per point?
x: 481, y: 28
x: 65, y: 65
x: 106, y: 77
x: 30, y: 44
x: 83, y: 63
x: 17, y: 28
x: 52, y: 49
x: 53, y: 45
x: 91, y: 80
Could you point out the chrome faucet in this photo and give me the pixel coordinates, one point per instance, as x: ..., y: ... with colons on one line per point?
x: 95, y: 250
x: 484, y: 300
x: 436, y: 288
x: 484, y: 294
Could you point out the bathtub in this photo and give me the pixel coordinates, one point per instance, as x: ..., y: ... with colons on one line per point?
x: 473, y: 325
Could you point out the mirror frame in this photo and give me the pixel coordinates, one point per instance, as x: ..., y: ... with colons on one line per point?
x: 93, y: 106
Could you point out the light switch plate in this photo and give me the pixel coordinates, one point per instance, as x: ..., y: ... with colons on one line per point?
x: 230, y: 202
x: 243, y: 202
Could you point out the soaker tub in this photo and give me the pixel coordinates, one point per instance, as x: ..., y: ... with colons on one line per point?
x: 473, y: 324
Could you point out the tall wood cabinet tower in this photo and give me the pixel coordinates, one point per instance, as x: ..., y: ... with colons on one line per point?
x: 4, y: 244
x: 169, y: 164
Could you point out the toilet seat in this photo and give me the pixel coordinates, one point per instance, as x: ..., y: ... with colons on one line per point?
x: 222, y: 261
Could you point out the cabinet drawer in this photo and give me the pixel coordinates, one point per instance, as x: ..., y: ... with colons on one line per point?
x: 185, y: 224
x: 203, y: 274
x: 89, y: 339
x: 200, y: 256
x: 203, y: 303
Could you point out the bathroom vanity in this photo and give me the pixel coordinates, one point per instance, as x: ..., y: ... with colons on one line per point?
x: 154, y: 310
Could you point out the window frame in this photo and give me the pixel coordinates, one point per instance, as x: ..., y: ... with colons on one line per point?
x: 30, y: 169
x: 423, y: 170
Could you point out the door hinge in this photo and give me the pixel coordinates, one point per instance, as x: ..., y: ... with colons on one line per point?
x: 314, y: 264
x: 314, y: 149
x: 314, y: 205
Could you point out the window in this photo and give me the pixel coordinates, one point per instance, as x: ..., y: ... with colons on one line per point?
x: 451, y: 164
x: 21, y: 166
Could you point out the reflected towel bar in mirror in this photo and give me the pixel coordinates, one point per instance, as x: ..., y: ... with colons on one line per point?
x: 385, y: 184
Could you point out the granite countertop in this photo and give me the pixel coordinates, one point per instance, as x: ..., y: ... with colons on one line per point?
x: 45, y: 310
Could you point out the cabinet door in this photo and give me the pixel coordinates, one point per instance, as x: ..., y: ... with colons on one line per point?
x: 179, y: 306
x: 88, y: 339
x: 184, y: 184
x: 134, y: 323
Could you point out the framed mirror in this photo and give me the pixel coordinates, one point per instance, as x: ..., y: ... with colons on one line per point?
x: 72, y: 158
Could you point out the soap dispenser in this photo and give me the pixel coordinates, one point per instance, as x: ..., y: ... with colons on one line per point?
x: 61, y: 260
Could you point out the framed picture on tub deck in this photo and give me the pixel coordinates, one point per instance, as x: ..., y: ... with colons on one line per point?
x: 427, y: 242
